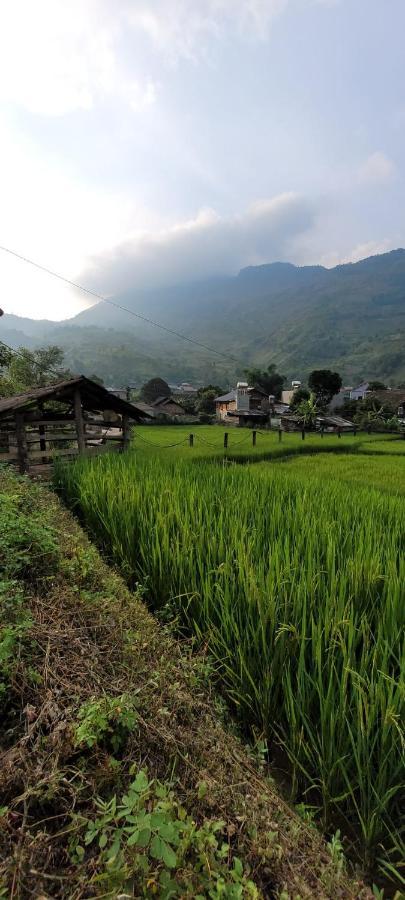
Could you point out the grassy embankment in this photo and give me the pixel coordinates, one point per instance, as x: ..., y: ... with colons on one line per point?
x: 118, y: 776
x: 296, y: 583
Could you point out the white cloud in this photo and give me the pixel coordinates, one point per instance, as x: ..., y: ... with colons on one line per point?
x: 370, y: 248
x: 205, y: 246
x: 377, y: 169
x: 52, y: 217
x: 58, y: 57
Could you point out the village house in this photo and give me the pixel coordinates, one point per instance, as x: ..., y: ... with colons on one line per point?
x: 243, y: 406
x: 327, y: 423
x: 167, y: 406
x: 360, y: 392
x: 287, y: 395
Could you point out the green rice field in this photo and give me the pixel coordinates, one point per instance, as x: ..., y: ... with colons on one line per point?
x: 290, y: 568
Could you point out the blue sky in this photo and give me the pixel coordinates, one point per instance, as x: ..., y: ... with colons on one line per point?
x: 144, y: 143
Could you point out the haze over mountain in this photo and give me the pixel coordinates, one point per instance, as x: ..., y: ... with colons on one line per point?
x: 350, y: 318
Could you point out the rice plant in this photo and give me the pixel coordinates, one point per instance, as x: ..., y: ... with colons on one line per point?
x: 297, y: 585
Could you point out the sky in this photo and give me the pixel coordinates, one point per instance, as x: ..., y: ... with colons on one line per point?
x: 152, y: 142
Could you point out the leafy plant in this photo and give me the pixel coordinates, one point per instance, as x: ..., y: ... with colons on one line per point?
x: 148, y: 839
x: 106, y: 720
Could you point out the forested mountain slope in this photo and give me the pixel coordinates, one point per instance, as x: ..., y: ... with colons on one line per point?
x: 351, y: 318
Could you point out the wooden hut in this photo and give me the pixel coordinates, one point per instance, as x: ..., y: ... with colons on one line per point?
x: 67, y: 418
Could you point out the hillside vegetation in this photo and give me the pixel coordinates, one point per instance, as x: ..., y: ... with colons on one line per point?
x: 119, y: 775
x: 350, y: 318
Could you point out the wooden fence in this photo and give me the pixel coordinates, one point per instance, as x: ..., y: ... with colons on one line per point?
x: 27, y: 441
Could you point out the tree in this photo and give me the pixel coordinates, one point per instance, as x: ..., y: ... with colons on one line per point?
x: 154, y: 388
x: 5, y: 356
x: 298, y: 396
x: 32, y: 369
x: 324, y: 384
x: 268, y: 379
x: 377, y: 386
x: 210, y: 387
x: 206, y: 401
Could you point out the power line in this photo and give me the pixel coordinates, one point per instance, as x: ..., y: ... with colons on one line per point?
x: 100, y: 297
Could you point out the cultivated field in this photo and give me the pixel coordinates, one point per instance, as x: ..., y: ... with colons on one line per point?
x: 292, y: 572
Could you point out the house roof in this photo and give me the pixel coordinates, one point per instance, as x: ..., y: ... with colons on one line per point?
x: 393, y: 398
x: 338, y: 421
x: 94, y: 397
x: 247, y: 414
x: 163, y: 401
x: 226, y: 398
x: 258, y: 389
x: 145, y: 408
x: 360, y: 387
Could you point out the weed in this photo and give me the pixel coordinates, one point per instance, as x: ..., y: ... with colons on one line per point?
x: 147, y: 839
x: 107, y: 720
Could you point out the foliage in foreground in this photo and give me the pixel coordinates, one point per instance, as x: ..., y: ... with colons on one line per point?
x: 147, y: 835
x: 298, y: 589
x: 146, y: 840
x: 118, y: 776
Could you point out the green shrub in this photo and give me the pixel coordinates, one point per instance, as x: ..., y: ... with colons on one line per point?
x: 107, y: 720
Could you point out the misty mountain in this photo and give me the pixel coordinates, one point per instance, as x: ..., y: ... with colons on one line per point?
x: 351, y: 318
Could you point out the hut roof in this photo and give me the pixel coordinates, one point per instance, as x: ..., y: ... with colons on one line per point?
x: 94, y: 397
x: 226, y: 398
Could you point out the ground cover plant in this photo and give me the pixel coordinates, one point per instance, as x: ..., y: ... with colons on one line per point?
x: 296, y: 585
x: 119, y: 774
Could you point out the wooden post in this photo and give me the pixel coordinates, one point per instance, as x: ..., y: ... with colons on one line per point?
x: 42, y: 440
x: 41, y: 429
x: 126, y: 433
x: 354, y: 432
x: 322, y: 431
x: 280, y: 434
x: 22, y: 450
x: 339, y: 432
x: 254, y: 434
x: 191, y: 440
x: 225, y: 440
x: 303, y: 433
x: 81, y: 440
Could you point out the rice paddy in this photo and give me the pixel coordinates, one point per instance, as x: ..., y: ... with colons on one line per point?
x: 293, y: 575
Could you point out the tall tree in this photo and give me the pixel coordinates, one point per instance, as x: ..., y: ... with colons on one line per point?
x: 324, y: 384
x: 154, y: 388
x: 268, y: 379
x: 33, y: 368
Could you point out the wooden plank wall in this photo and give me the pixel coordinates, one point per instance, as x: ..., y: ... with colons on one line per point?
x: 39, y: 440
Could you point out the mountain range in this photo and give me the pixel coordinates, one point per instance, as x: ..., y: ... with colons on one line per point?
x: 350, y: 318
